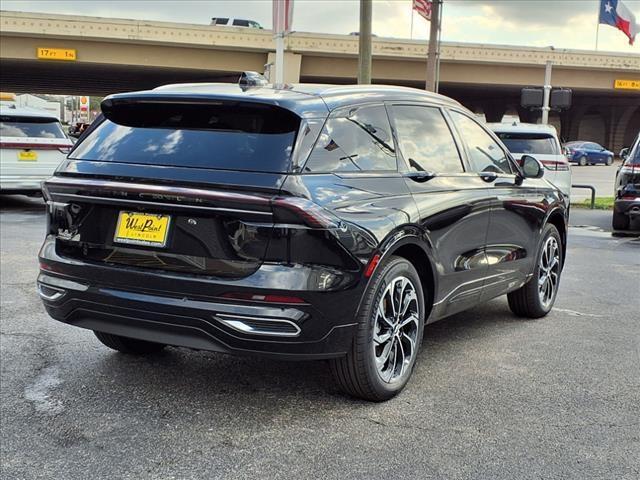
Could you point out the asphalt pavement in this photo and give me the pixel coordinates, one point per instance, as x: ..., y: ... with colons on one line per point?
x: 601, y: 177
x: 491, y: 397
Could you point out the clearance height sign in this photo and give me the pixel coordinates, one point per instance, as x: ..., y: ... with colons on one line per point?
x: 626, y: 84
x: 64, y: 54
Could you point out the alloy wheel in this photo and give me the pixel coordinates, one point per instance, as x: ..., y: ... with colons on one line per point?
x: 549, y: 272
x: 396, y: 330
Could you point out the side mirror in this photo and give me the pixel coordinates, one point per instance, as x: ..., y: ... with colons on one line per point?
x: 624, y: 152
x: 531, y: 167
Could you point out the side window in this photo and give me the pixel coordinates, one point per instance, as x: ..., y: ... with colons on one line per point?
x: 484, y: 152
x: 241, y: 23
x: 358, y: 141
x: 425, y: 139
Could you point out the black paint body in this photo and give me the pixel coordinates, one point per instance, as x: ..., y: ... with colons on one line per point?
x: 471, y: 237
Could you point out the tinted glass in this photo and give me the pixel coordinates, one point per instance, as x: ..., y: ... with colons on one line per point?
x: 484, y: 152
x: 358, y: 141
x: 241, y: 23
x: 219, y: 21
x: 593, y: 146
x: 221, y: 137
x: 13, y: 126
x: 634, y: 157
x: 530, y: 143
x: 425, y: 139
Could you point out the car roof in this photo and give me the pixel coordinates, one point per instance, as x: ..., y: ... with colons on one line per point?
x: 516, y: 127
x: 306, y: 100
x: 27, y: 112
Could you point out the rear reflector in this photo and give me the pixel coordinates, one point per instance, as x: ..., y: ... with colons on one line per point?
x: 371, y: 266
x: 255, y: 297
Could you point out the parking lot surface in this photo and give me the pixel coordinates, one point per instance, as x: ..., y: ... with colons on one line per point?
x: 492, y: 396
x: 602, y: 177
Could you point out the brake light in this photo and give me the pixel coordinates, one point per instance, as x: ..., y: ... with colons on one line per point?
x: 629, y: 168
x: 296, y: 209
x: 559, y: 166
x: 254, y: 297
x: 65, y: 150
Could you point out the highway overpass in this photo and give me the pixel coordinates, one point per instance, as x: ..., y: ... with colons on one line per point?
x: 111, y: 55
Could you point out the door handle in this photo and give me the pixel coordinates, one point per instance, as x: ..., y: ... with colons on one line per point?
x: 488, y: 176
x: 420, y: 176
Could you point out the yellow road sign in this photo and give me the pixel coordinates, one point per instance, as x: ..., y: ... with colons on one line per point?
x: 627, y: 84
x: 68, y: 54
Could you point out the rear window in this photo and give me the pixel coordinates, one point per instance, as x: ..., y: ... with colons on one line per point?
x: 222, y: 136
x: 35, y: 127
x: 539, y: 143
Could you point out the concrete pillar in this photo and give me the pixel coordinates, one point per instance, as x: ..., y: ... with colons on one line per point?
x: 494, y: 112
x: 621, y: 123
x: 292, y: 62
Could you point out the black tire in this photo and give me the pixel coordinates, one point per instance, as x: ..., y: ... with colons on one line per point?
x: 582, y: 161
x: 525, y: 302
x: 620, y: 221
x: 356, y: 373
x: 128, y: 345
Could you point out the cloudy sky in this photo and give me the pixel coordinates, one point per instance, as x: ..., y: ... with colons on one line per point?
x: 561, y: 23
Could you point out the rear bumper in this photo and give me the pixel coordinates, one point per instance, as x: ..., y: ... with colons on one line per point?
x: 21, y: 183
x: 142, y: 305
x: 629, y: 207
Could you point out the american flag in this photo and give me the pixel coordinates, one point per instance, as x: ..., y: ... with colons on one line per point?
x: 423, y: 7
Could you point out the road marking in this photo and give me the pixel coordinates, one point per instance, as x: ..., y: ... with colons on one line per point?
x: 574, y: 313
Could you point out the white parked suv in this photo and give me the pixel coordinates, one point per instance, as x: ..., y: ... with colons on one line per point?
x: 541, y: 142
x: 32, y: 145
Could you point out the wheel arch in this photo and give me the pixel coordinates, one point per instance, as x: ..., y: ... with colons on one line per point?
x: 558, y: 219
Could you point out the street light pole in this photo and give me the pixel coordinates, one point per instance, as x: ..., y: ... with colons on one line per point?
x: 364, y: 43
x: 547, y: 93
x: 434, y: 47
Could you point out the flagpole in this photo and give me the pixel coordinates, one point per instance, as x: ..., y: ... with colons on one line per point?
x: 598, y: 24
x: 411, y: 34
x: 439, y: 51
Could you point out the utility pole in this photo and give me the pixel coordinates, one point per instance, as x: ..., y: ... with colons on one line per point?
x: 434, y: 47
x: 547, y: 93
x: 364, y: 43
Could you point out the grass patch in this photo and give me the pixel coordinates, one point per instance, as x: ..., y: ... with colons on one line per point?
x: 602, y: 203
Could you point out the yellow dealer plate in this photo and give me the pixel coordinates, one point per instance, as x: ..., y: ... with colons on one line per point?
x: 142, y: 229
x: 68, y: 54
x: 27, y: 156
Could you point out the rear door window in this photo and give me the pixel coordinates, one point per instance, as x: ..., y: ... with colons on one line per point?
x: 241, y: 23
x: 425, y: 140
x: 530, y: 143
x: 359, y: 140
x: 234, y: 136
x: 34, y: 127
x: 485, y: 154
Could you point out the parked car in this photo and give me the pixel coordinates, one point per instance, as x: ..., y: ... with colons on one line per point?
x: 588, y: 153
x: 627, y: 190
x: 312, y: 222
x: 32, y: 144
x: 541, y: 142
x: 235, y: 22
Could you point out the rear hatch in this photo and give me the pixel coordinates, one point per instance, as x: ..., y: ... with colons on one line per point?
x: 174, y: 185
x: 544, y: 147
x: 31, y: 146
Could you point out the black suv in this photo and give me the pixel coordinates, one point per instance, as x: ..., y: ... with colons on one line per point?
x: 308, y: 222
x: 627, y: 190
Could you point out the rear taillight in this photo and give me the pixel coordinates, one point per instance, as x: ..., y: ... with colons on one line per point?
x: 559, y: 166
x: 255, y: 297
x: 300, y: 210
x: 65, y: 150
x: 630, y: 168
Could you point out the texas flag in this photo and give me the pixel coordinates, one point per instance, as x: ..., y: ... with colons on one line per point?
x: 616, y: 14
